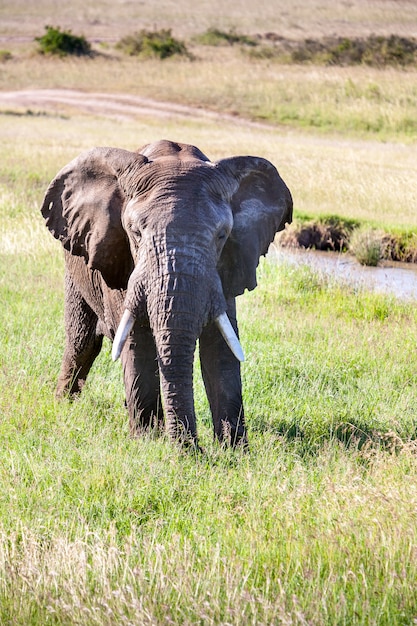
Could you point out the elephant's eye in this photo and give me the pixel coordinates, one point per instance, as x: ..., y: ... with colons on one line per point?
x: 136, y: 233
x: 222, y: 234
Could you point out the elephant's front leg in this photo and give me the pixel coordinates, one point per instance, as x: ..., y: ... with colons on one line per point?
x: 83, y: 341
x: 222, y: 380
x: 141, y: 379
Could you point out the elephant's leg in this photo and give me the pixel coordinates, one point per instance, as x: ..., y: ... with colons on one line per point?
x: 83, y: 341
x: 141, y: 379
x: 221, y: 375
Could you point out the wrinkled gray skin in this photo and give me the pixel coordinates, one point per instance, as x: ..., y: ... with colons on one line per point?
x: 174, y: 238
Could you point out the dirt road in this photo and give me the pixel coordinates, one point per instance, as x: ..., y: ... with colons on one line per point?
x: 122, y: 106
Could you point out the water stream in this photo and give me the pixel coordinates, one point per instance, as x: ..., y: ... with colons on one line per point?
x: 397, y: 279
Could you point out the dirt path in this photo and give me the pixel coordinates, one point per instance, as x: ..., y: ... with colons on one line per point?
x: 121, y: 106
x: 125, y: 106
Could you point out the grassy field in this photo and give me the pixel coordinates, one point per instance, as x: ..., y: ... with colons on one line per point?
x: 316, y: 524
x: 359, y: 102
x: 347, y: 135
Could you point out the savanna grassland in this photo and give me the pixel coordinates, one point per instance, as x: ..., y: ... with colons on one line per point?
x: 317, y: 523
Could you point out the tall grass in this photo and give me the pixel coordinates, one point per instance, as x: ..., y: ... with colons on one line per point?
x: 248, y: 541
x: 314, y: 525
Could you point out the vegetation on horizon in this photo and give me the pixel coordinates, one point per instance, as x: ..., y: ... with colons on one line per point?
x: 374, y: 50
x: 158, y: 44
x: 62, y: 43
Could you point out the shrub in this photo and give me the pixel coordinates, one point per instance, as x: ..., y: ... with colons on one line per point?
x: 401, y: 246
x: 367, y: 245
x: 62, y: 43
x: 159, y: 43
x: 392, y: 50
x: 216, y: 37
x: 377, y: 51
x: 373, y: 50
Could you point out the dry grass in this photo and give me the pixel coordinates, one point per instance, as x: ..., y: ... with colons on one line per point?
x: 361, y: 102
x: 110, y: 20
x: 352, y: 179
x: 367, y: 181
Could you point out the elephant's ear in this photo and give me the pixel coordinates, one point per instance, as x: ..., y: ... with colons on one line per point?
x: 82, y: 208
x: 262, y: 205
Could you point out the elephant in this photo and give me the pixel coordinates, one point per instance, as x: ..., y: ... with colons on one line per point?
x: 158, y: 243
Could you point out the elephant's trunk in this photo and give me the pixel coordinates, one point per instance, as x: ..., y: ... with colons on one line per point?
x: 177, y: 311
x: 181, y: 297
x: 175, y: 358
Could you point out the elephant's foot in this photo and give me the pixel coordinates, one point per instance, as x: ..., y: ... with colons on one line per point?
x: 233, y: 434
x: 146, y: 421
x: 69, y: 387
x: 183, y: 431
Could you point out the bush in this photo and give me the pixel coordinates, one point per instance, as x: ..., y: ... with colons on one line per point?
x: 216, y: 37
x: 393, y: 50
x: 159, y: 43
x: 376, y: 51
x: 367, y: 245
x: 62, y: 43
x: 401, y: 246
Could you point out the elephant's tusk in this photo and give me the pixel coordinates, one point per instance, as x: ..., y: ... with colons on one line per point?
x: 229, y: 336
x: 125, y: 326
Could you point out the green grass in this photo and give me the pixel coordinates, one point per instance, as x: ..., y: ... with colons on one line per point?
x: 316, y: 524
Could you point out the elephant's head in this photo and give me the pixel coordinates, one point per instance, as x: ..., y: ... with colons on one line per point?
x: 181, y: 234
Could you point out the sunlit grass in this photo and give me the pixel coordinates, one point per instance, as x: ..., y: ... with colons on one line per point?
x: 361, y: 180
x: 315, y: 524
x: 323, y: 541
